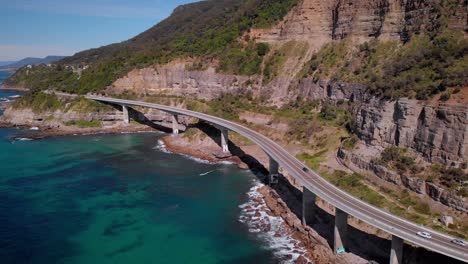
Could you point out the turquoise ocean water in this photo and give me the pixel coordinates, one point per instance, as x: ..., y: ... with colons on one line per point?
x: 119, y: 199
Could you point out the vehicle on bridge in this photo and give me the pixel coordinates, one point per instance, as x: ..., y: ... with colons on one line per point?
x: 459, y: 242
x: 424, y: 234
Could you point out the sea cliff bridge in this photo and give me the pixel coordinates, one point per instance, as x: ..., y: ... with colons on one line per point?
x: 314, y: 185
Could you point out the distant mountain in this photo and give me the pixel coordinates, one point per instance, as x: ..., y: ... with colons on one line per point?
x: 3, y: 63
x: 30, y: 61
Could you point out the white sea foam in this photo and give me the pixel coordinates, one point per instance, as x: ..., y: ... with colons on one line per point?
x: 14, y: 96
x: 162, y: 147
x: 24, y: 139
x: 4, y: 100
x: 34, y: 128
x: 270, y: 228
x: 206, y: 173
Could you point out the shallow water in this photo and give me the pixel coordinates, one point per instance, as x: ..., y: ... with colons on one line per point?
x: 119, y: 199
x: 7, y: 96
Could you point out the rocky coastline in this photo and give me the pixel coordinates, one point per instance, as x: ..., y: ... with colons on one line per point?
x: 202, y: 141
x: 299, y: 250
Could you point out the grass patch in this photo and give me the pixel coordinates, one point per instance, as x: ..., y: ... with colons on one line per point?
x: 313, y: 161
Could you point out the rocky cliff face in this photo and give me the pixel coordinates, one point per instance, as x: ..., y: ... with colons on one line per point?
x: 439, y: 133
x: 109, y: 119
x: 176, y: 79
x: 415, y: 184
x: 320, y: 21
x: 313, y: 23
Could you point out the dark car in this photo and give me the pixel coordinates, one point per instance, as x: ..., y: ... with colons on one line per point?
x: 305, y: 169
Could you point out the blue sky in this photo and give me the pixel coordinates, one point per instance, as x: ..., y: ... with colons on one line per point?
x: 37, y: 28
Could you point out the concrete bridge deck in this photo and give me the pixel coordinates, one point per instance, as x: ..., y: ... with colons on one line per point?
x: 345, y: 203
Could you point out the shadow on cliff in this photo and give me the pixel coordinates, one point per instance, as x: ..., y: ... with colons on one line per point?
x: 140, y: 118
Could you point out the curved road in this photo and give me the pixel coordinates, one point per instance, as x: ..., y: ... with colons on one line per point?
x: 315, y: 183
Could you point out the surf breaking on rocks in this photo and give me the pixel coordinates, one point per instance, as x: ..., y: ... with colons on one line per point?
x: 271, y: 229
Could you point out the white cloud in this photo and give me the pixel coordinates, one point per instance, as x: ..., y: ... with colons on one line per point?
x: 17, y: 52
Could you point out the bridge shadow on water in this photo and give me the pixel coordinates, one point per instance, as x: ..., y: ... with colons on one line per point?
x: 360, y: 243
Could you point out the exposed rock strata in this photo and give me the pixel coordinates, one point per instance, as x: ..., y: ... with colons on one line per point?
x: 176, y: 79
x: 414, y: 184
x: 439, y: 133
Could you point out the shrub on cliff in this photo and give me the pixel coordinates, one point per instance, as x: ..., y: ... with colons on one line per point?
x: 420, y: 68
x: 38, y: 102
x: 399, y: 159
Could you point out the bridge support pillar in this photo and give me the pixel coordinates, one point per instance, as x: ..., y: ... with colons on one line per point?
x: 308, y: 204
x: 274, y: 172
x: 175, y: 125
x: 126, y: 117
x: 224, y: 140
x: 396, y: 253
x: 341, y: 226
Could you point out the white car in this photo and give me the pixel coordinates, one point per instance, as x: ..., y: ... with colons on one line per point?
x: 424, y: 234
x: 459, y: 242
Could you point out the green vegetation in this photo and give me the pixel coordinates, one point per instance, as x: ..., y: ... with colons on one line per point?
x: 352, y: 183
x: 243, y: 59
x: 350, y: 143
x: 399, y: 159
x: 355, y: 185
x: 313, y: 161
x: 275, y: 62
x: 41, y: 102
x: 38, y: 102
x: 203, y: 29
x: 453, y: 178
x: 84, y: 123
x: 420, y: 68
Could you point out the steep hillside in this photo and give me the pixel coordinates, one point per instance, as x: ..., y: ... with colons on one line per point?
x: 205, y: 28
x: 282, y: 53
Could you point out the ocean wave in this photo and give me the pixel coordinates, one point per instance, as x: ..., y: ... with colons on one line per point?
x: 270, y: 229
x: 24, y: 139
x: 4, y: 100
x: 162, y: 147
x: 14, y: 96
x: 206, y: 173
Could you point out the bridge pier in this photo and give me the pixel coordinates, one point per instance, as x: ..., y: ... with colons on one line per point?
x: 126, y: 117
x: 308, y: 204
x: 273, y: 172
x: 224, y: 140
x: 175, y: 125
x: 396, y: 253
x: 340, y: 230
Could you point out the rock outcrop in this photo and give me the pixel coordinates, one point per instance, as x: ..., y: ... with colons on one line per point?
x: 176, y: 79
x: 320, y: 21
x: 64, y: 119
x: 438, y: 132
x: 415, y: 184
